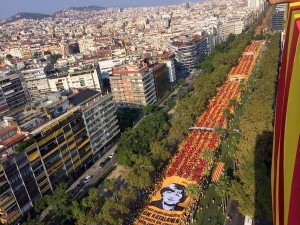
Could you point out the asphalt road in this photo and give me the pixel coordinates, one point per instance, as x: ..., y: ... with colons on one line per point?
x: 94, y: 171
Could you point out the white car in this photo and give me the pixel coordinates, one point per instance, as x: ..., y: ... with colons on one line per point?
x: 87, y: 179
x: 111, y: 155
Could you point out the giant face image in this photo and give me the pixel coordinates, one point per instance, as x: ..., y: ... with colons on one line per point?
x: 171, y: 196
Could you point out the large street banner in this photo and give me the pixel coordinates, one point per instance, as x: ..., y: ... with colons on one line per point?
x: 168, y: 204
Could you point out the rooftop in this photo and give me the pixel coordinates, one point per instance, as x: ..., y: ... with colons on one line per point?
x: 80, y: 97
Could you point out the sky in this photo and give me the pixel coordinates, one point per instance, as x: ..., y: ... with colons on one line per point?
x: 11, y: 7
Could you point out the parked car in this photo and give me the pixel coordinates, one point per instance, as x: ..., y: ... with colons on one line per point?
x: 111, y: 155
x: 87, y: 179
x: 104, y: 162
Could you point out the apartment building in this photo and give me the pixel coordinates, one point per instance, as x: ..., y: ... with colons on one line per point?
x: 133, y: 85
x: 53, y: 143
x: 169, y: 59
x: 160, y: 78
x: 189, y: 51
x: 106, y: 66
x: 278, y: 18
x: 87, y: 45
x: 100, y: 117
x: 80, y: 76
x: 13, y: 94
x: 36, y: 82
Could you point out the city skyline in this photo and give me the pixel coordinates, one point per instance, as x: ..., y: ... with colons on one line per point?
x: 11, y: 8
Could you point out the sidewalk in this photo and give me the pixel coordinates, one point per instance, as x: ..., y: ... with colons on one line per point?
x: 235, y: 217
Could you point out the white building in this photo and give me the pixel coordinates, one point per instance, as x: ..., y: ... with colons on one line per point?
x: 37, y: 83
x: 86, y: 45
x: 106, y: 66
x: 84, y: 76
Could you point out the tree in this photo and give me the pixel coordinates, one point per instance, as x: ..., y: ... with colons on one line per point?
x: 113, y: 213
x: 40, y: 205
x: 192, y: 191
x: 220, y: 132
x: 35, y: 221
x: 159, y: 150
x: 87, y: 211
x: 207, y: 66
x: 126, y: 195
x: 181, y: 81
x: 148, y: 109
x: 222, y: 188
x: 59, y: 203
x: 56, y: 57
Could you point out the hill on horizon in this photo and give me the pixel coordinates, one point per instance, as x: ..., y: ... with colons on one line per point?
x: 91, y: 7
x: 26, y: 15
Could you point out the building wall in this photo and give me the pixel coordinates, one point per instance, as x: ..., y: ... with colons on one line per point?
x: 13, y: 96
x: 170, y: 64
x: 64, y: 146
x: 37, y: 83
x: 82, y: 78
x: 278, y: 19
x: 101, y: 121
x: 286, y: 146
x: 160, y: 79
x: 188, y: 56
x: 133, y: 89
x: 19, y: 188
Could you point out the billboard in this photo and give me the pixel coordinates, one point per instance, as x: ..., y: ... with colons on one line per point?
x: 168, y: 204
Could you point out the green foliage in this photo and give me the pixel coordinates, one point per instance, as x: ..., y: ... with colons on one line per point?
x: 192, y: 190
x: 40, y: 205
x: 56, y: 57
x: 252, y: 186
x: 208, y: 155
x: 59, y: 204
x: 127, y: 117
x: 87, y: 211
x: 181, y: 81
x: 23, y: 145
x: 35, y: 221
x: 137, y: 141
x: 148, y: 109
x: 47, y: 52
x: 207, y: 66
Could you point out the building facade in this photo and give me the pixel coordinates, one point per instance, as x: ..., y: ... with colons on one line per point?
x: 13, y: 94
x: 278, y: 18
x: 82, y: 76
x: 100, y: 118
x: 133, y: 85
x: 37, y: 83
x: 189, y: 52
x: 62, y: 139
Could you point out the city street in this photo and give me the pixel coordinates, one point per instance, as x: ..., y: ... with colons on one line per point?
x: 94, y: 171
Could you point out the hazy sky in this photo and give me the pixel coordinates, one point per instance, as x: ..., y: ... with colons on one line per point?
x: 11, y: 7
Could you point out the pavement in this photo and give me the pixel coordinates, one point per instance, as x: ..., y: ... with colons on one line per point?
x: 235, y: 218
